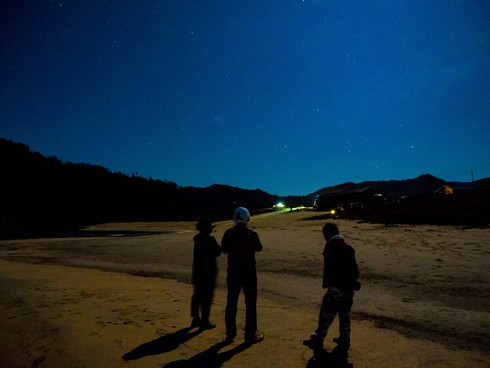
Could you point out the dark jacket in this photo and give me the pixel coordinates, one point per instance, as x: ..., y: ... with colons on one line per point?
x: 204, y: 266
x: 241, y: 243
x: 340, y: 269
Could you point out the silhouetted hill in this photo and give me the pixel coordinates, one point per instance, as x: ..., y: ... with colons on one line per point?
x: 393, y: 189
x: 482, y: 183
x: 421, y: 201
x: 43, y: 195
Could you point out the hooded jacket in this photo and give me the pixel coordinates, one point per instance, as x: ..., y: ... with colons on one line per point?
x: 340, y: 269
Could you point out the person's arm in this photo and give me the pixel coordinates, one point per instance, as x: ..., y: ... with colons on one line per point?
x: 257, y: 244
x: 355, y: 272
x: 225, y: 243
x: 326, y: 276
x: 215, y: 247
x: 326, y: 269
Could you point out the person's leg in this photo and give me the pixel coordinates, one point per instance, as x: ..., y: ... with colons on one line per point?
x: 345, y: 307
x: 327, y: 314
x: 328, y: 310
x: 250, y: 292
x: 207, y: 299
x: 195, y: 301
x: 234, y: 287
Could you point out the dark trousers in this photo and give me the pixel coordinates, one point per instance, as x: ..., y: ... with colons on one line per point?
x: 202, y: 299
x: 336, y: 302
x: 236, y: 280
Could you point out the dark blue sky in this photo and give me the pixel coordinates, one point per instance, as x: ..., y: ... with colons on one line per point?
x: 288, y: 96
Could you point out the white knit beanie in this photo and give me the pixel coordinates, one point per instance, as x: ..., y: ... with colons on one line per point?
x: 241, y: 216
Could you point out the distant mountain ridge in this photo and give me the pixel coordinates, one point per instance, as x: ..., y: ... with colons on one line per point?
x: 42, y: 193
x: 394, y: 189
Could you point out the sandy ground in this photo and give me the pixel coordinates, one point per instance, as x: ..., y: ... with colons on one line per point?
x: 118, y: 296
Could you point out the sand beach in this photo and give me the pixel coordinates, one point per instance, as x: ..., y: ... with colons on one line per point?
x: 118, y: 295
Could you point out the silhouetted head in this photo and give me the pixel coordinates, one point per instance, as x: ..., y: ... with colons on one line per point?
x: 204, y: 225
x: 241, y: 216
x: 329, y: 230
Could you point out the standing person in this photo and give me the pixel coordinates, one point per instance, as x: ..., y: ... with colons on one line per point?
x: 241, y: 243
x: 204, y: 272
x: 341, y: 279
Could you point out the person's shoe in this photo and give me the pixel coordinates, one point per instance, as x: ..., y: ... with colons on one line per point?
x: 314, y: 342
x: 254, y: 339
x: 207, y: 325
x: 342, y: 343
x: 196, y: 322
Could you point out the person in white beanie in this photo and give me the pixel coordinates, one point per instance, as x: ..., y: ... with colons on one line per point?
x: 241, y: 243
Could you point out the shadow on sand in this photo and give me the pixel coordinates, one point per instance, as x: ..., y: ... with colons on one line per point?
x: 162, y: 345
x: 337, y: 358
x: 209, y: 358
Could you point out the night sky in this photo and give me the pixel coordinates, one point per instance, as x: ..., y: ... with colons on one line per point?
x: 288, y: 96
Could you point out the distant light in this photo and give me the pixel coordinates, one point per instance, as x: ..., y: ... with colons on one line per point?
x: 279, y: 205
x: 332, y: 212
